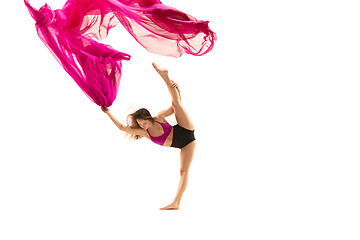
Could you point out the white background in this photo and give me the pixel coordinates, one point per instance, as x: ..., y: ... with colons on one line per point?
x: 276, y: 111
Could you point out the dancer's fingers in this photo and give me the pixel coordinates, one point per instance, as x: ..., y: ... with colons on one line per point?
x: 104, y: 109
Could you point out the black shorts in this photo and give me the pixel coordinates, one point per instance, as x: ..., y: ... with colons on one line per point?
x: 181, y: 136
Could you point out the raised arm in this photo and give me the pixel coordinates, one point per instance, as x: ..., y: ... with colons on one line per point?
x: 126, y: 129
x: 165, y: 113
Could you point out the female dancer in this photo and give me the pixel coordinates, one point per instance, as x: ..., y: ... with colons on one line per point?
x: 157, y: 129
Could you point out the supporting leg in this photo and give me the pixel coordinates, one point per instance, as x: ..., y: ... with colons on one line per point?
x: 186, y: 157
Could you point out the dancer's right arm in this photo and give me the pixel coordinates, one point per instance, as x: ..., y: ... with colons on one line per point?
x: 127, y: 129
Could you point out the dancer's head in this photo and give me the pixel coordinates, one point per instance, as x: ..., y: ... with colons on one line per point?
x: 140, y: 119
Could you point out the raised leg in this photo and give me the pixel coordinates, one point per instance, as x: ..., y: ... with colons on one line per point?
x: 181, y: 115
x: 186, y: 157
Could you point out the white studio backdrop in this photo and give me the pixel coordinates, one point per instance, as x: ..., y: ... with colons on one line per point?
x: 276, y: 110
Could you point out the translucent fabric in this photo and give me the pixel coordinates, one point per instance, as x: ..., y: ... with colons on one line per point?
x: 70, y: 34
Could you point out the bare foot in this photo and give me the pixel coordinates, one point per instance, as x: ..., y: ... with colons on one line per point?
x: 163, y: 72
x: 171, y: 206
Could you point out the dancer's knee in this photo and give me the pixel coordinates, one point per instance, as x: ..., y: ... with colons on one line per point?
x: 184, y: 172
x: 178, y: 109
x: 176, y: 105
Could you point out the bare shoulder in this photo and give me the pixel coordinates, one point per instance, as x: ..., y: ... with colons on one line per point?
x: 160, y: 119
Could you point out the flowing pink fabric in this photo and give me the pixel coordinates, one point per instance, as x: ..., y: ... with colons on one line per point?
x: 70, y: 34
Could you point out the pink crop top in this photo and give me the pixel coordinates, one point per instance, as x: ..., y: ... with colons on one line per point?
x: 161, y: 139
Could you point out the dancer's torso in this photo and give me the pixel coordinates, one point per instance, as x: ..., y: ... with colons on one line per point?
x: 164, y: 139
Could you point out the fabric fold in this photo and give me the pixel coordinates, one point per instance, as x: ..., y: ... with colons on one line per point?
x: 72, y: 34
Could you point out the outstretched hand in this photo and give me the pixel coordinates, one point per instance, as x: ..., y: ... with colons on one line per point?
x: 104, y: 109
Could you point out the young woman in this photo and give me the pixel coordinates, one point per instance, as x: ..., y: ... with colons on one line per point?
x: 157, y: 129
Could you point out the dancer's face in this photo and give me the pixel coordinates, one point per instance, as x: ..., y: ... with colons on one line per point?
x: 144, y: 124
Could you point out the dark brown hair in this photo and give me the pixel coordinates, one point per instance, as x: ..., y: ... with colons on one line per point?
x: 142, y: 113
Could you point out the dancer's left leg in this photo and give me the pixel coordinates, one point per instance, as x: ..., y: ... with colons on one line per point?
x: 186, y: 157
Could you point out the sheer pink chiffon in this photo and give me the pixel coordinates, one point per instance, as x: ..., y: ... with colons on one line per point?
x: 70, y: 34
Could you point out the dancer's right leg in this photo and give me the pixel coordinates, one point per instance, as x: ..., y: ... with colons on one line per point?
x: 181, y: 115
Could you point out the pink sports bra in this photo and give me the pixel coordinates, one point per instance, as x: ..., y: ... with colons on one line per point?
x: 161, y: 139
